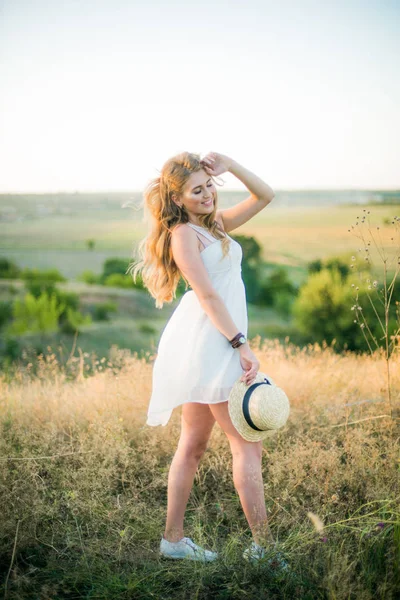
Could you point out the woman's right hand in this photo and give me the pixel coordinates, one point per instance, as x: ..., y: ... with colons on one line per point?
x: 249, y: 363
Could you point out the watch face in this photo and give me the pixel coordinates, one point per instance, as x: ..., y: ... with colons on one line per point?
x: 242, y: 339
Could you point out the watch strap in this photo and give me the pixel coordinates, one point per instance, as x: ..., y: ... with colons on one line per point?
x: 235, y: 341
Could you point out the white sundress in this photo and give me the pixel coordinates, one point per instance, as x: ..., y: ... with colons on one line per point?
x: 195, y: 361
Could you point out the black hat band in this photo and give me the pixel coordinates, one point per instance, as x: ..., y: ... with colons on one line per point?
x: 246, y: 400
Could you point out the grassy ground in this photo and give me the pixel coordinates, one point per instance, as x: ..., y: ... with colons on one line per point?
x: 83, y: 485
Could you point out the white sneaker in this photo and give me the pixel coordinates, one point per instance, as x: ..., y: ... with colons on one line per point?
x: 185, y: 548
x: 255, y: 553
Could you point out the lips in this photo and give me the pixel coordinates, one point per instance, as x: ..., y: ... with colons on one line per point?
x: 208, y: 203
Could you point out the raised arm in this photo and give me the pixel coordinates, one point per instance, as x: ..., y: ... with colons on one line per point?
x: 261, y: 194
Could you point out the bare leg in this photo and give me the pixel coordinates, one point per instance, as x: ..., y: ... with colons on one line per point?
x: 247, y: 475
x: 197, y: 423
x: 247, y: 478
x: 180, y: 481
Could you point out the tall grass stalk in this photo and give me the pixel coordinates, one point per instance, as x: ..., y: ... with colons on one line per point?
x: 363, y: 230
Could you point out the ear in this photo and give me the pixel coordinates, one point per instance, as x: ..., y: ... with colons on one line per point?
x: 174, y: 198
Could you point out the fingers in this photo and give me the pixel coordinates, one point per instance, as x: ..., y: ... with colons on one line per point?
x: 210, y: 156
x: 249, y: 376
x: 209, y: 169
x: 209, y: 159
x: 206, y: 166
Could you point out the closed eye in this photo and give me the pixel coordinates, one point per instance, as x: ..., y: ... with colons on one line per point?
x: 200, y: 190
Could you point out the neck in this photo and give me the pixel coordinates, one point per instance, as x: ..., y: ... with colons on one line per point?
x: 198, y: 224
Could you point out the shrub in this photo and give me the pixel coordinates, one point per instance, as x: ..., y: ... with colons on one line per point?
x: 89, y: 277
x: 252, y: 265
x: 12, y: 289
x: 315, y: 266
x: 90, y: 244
x: 147, y: 328
x: 35, y: 314
x: 8, y: 269
x: 277, y: 291
x: 180, y: 288
x: 101, y: 311
x: 5, y: 312
x: 138, y: 284
x: 115, y: 274
x: 47, y: 312
x: 339, y: 263
x: 73, y: 321
x: 37, y: 282
x: 113, y: 266
x: 11, y: 350
x: 324, y: 308
x: 37, y: 275
x: 119, y: 280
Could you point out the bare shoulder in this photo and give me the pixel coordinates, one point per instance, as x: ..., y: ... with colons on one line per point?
x: 179, y: 230
x: 183, y: 234
x: 183, y: 240
x: 189, y: 262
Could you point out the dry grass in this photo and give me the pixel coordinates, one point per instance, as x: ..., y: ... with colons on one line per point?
x: 83, y: 484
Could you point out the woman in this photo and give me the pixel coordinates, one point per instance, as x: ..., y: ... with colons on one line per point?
x: 203, y: 348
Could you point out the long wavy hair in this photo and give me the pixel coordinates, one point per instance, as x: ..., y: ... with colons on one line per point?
x: 159, y: 272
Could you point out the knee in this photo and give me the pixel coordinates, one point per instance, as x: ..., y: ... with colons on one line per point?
x: 193, y: 450
x: 246, y: 466
x: 252, y: 451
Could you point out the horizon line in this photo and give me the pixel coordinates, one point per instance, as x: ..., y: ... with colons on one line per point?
x: 140, y: 191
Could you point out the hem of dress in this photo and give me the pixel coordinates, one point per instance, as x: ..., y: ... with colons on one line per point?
x: 173, y: 408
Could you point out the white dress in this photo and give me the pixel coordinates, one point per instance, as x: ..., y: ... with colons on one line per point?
x: 195, y: 361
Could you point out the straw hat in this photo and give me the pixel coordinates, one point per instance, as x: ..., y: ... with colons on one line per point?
x: 259, y: 409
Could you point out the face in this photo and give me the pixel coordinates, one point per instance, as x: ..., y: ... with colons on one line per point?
x: 198, y: 194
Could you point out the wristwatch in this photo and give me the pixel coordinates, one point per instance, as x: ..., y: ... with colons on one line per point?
x: 238, y: 340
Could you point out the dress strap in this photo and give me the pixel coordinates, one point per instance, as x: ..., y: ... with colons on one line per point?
x: 203, y: 231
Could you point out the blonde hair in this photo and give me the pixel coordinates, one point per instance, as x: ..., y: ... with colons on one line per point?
x: 159, y: 272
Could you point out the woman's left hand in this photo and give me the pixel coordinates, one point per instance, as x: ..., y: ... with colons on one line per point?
x: 216, y: 164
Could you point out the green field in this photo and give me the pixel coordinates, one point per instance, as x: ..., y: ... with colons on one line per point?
x: 289, y: 236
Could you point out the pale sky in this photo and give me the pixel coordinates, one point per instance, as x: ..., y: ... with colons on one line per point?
x: 95, y: 95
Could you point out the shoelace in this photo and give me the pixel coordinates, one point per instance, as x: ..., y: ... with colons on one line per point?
x: 190, y: 543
